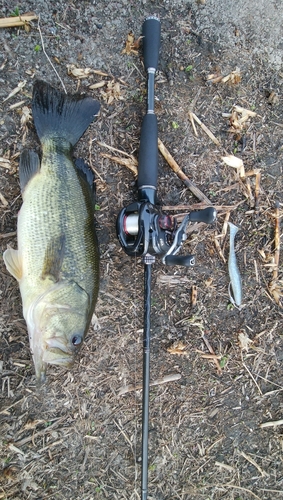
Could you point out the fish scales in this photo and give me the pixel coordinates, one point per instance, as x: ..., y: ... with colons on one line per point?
x: 64, y: 209
x: 57, y: 261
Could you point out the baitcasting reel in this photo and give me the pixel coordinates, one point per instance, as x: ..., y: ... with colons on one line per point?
x: 142, y: 229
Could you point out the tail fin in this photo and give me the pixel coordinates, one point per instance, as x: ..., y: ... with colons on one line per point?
x: 57, y: 114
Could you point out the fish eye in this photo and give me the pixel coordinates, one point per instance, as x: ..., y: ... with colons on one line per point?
x: 77, y: 340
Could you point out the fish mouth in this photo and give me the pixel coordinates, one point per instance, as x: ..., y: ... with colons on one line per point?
x: 56, y: 352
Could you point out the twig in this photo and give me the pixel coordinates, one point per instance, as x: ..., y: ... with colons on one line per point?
x: 205, y: 129
x: 233, y: 486
x: 48, y: 58
x: 212, y: 352
x: 251, y: 375
x: 200, y: 206
x: 253, y: 462
x: 126, y: 162
x: 159, y: 381
x: 273, y: 423
x: 17, y: 21
x: 257, y: 190
x: 218, y: 246
x: 8, y: 235
x: 276, y: 242
x: 174, y: 165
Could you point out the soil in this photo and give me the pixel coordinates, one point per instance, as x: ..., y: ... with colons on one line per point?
x: 76, y: 437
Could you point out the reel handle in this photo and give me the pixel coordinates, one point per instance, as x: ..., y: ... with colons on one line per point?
x: 151, y: 31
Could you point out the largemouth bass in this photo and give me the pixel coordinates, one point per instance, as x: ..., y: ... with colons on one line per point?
x: 57, y: 261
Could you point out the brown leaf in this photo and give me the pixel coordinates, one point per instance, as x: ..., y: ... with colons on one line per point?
x: 132, y: 45
x: 178, y: 348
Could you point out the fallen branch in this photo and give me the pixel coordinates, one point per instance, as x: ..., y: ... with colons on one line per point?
x: 159, y: 381
x: 174, y: 165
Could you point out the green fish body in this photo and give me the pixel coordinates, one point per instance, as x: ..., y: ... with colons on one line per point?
x: 57, y: 261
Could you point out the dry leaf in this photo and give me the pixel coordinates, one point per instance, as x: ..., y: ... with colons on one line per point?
x: 244, y: 341
x: 275, y: 289
x: 19, y: 87
x: 132, y: 45
x: 273, y: 98
x: 5, y: 163
x: 178, y: 348
x: 234, y: 77
x: 97, y: 85
x: 78, y: 72
x: 112, y: 92
x: 235, y: 162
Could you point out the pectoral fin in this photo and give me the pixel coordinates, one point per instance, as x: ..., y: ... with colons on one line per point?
x: 53, y: 258
x: 13, y: 263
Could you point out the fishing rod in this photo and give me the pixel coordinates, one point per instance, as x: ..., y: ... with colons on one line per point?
x: 143, y: 230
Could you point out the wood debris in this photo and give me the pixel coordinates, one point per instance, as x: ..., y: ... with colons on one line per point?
x: 244, y: 341
x: 18, y: 21
x: 193, y: 117
x: 233, y: 78
x: 5, y: 163
x: 112, y: 92
x: 178, y: 348
x: 174, y: 165
x: 254, y: 463
x: 218, y: 246
x: 79, y: 73
x: 275, y: 287
x: 215, y: 357
x: 235, y: 162
x: 128, y: 161
x: 15, y: 91
x: 132, y: 45
x: 25, y: 120
x: 239, y: 118
x: 164, y: 380
x: 194, y: 296
x: 3, y: 200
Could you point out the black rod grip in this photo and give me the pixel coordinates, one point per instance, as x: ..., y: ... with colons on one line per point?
x: 148, y: 153
x: 151, y: 30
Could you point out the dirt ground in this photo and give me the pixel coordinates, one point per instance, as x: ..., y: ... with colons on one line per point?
x: 77, y: 437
